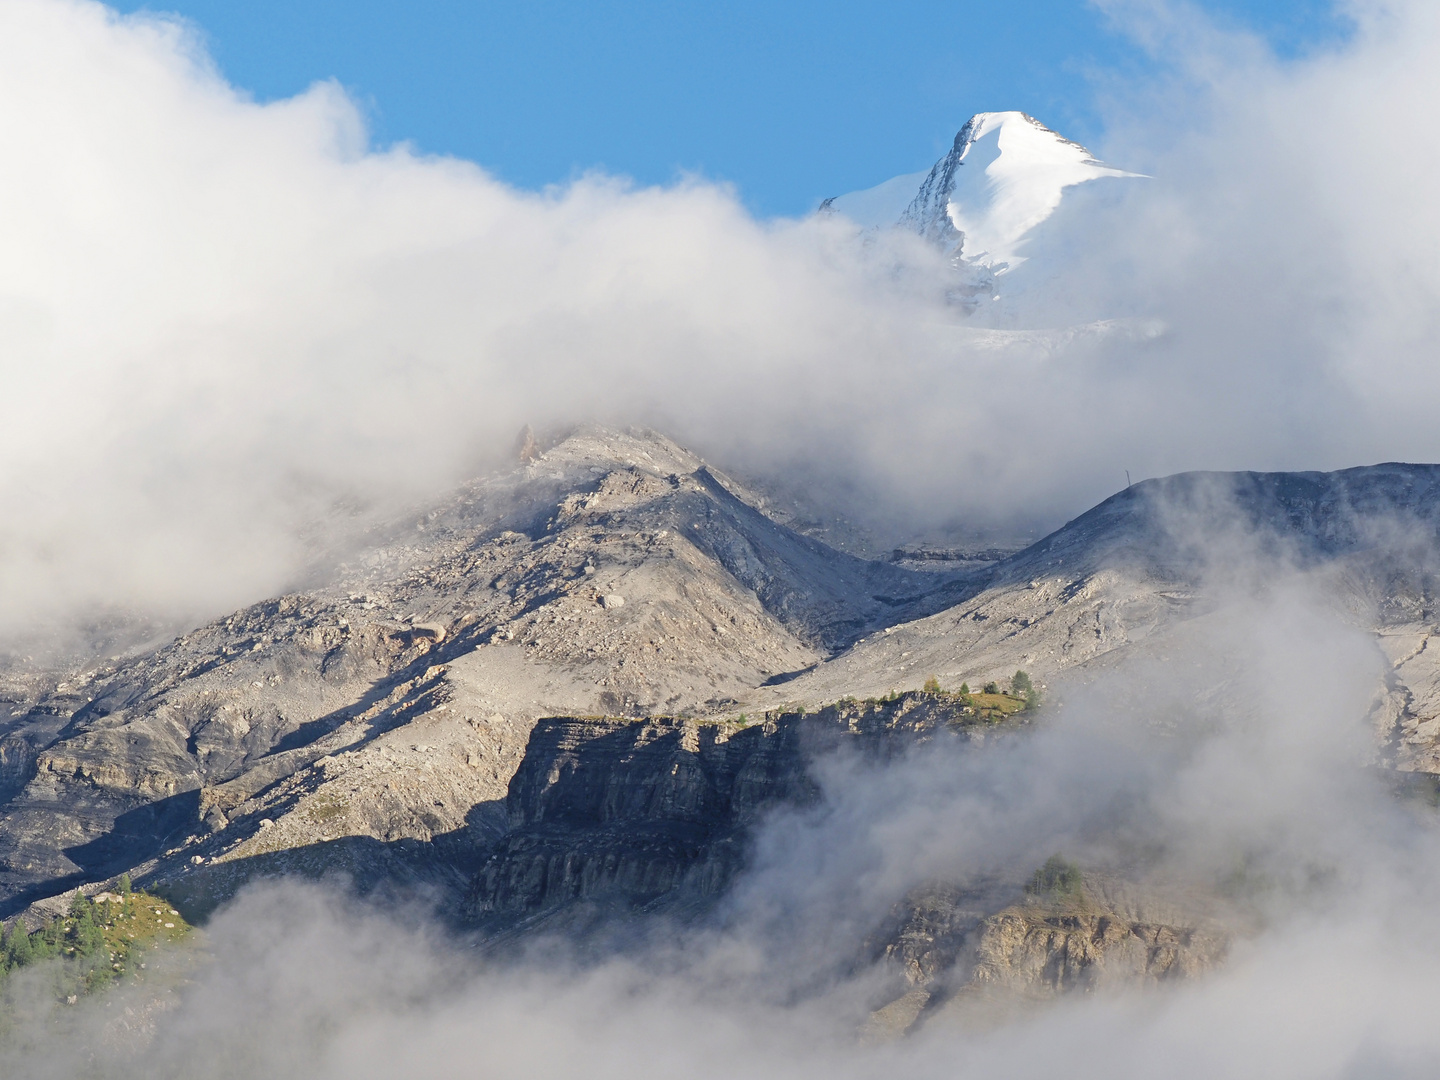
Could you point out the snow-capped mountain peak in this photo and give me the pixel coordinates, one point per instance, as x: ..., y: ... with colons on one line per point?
x: 1005, y: 174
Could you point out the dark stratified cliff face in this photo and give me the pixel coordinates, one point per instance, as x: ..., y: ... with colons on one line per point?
x: 630, y: 813
x: 614, y: 817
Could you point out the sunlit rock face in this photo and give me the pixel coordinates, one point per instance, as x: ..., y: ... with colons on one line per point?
x: 610, y: 572
x: 583, y: 684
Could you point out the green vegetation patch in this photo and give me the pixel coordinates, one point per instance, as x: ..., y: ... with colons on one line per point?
x: 992, y: 703
x: 996, y: 706
x: 1057, y: 879
x: 98, y: 940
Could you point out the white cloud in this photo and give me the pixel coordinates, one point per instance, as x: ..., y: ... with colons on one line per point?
x: 1331, y: 973
x: 216, y: 316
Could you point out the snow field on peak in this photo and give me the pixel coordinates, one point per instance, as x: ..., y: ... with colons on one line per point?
x: 880, y: 206
x: 1007, y: 174
x: 1016, y: 171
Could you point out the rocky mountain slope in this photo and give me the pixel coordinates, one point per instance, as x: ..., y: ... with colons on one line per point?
x: 612, y: 573
x: 629, y: 819
x: 1143, y: 565
x: 528, y: 700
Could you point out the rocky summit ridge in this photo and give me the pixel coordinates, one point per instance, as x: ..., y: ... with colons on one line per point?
x: 578, y: 682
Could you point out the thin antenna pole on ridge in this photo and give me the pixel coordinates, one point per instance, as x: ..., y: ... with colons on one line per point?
x: 1127, y: 478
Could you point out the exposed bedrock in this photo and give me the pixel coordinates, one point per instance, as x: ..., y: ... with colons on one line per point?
x: 973, y: 954
x: 383, y: 708
x: 626, y: 813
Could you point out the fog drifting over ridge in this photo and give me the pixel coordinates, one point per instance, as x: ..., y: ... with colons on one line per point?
x: 1334, y: 977
x: 218, y: 318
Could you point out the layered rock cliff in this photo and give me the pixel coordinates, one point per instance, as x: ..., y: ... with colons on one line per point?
x: 967, y: 954
x: 626, y: 814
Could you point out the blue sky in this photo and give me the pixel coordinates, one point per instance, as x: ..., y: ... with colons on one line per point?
x: 788, y: 101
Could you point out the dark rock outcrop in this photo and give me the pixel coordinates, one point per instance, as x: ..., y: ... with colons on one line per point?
x: 630, y: 813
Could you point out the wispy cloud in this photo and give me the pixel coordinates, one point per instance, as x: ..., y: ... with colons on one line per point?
x: 219, y: 319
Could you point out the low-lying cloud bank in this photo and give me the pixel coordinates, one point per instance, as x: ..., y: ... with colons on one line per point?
x: 1230, y: 772
x: 222, y: 322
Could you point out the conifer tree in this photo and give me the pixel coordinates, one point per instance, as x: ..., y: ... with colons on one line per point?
x: 86, y: 933
x: 1021, y: 686
x: 18, y: 950
x: 45, y: 942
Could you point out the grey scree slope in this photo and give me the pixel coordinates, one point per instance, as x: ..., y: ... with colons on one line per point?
x: 373, y: 724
